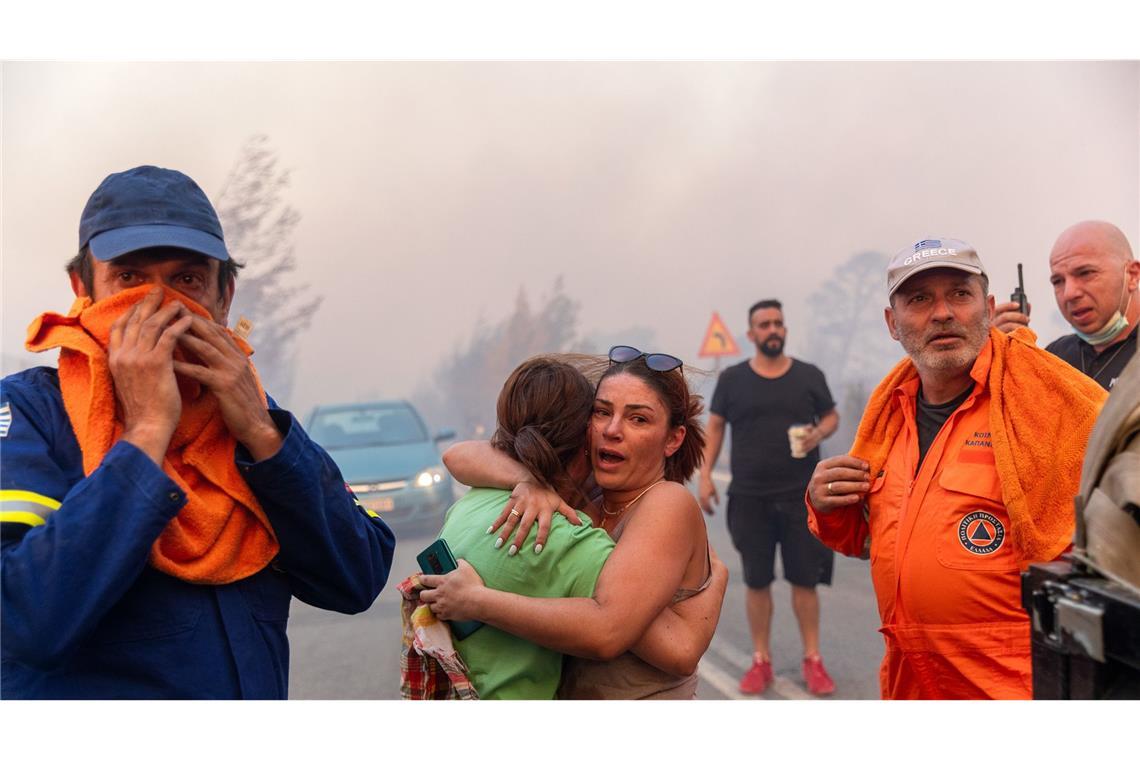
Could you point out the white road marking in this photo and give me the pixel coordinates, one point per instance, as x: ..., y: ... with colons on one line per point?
x: 720, y: 680
x: 788, y: 689
x: 785, y: 687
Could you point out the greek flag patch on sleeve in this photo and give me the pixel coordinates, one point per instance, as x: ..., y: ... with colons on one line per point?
x: 5, y: 420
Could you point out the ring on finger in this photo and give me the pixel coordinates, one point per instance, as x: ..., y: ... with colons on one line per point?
x: 516, y: 513
x: 829, y: 484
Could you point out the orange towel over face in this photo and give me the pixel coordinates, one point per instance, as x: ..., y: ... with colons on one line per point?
x: 222, y: 534
x: 1041, y: 414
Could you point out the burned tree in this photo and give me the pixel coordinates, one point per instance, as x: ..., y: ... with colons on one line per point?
x: 259, y: 227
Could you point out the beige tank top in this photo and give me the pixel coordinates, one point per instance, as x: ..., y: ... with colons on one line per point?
x: 628, y: 676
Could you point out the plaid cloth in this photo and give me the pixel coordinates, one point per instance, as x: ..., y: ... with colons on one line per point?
x: 430, y: 668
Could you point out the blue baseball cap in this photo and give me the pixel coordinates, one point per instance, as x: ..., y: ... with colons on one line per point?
x: 150, y: 207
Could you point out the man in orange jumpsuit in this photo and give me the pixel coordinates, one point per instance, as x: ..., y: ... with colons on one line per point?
x: 949, y: 524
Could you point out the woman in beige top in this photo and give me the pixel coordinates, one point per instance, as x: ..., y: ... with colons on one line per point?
x: 645, y: 441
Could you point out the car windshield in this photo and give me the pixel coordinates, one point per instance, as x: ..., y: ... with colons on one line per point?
x: 378, y: 426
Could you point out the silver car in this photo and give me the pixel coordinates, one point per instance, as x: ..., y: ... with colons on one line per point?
x: 387, y: 457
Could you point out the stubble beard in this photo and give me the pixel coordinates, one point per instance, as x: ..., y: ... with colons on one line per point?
x: 953, y: 361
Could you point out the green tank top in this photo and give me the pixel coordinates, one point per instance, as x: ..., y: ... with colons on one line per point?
x: 504, y: 666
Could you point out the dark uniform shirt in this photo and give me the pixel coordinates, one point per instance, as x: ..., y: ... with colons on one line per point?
x: 1104, y: 367
x: 85, y: 616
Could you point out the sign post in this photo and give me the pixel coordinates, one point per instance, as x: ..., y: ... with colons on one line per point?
x: 718, y: 342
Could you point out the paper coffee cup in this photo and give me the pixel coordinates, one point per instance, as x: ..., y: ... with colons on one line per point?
x: 796, y: 436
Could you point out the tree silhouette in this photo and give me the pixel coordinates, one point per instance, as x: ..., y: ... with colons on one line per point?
x: 466, y: 384
x: 848, y: 338
x: 259, y: 227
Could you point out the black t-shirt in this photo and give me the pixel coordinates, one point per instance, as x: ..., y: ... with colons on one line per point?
x: 760, y: 411
x: 1104, y: 367
x: 931, y: 417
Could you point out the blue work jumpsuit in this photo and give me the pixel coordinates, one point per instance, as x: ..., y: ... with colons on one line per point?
x: 84, y: 616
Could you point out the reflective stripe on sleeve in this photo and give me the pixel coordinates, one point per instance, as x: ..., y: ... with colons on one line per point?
x: 26, y: 507
x: 356, y: 501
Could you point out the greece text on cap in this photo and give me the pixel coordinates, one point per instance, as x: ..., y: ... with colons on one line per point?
x: 929, y: 253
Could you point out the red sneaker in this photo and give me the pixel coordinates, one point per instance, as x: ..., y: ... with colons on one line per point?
x: 758, y: 677
x: 816, y: 677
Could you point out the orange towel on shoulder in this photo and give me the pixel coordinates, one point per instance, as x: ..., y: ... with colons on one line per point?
x: 1041, y: 415
x: 222, y: 534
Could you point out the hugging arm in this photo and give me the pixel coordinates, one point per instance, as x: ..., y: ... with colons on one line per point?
x: 678, y: 637
x: 481, y: 465
x: 636, y: 583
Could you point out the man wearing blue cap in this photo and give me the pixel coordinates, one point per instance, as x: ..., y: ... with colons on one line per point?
x: 158, y: 511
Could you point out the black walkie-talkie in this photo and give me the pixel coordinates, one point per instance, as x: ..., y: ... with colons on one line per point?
x: 1019, y: 294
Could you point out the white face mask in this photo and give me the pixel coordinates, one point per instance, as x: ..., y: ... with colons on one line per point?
x: 1116, y: 325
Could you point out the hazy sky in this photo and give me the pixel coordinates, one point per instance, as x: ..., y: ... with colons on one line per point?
x: 430, y: 192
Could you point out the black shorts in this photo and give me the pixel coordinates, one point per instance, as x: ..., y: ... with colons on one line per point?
x: 757, y: 524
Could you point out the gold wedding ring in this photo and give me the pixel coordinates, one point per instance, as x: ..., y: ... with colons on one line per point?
x: 829, y: 488
x: 516, y: 513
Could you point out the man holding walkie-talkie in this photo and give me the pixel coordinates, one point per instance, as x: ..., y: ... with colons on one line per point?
x: 1095, y: 278
x: 1014, y: 313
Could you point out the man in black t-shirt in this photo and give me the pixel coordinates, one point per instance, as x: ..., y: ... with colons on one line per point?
x: 761, y: 399
x: 1095, y: 278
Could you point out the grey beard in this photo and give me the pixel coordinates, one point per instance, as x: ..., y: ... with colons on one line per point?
x: 943, y: 361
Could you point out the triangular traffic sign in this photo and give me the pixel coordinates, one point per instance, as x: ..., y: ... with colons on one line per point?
x: 718, y: 340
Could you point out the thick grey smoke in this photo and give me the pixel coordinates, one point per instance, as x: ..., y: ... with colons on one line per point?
x: 430, y: 193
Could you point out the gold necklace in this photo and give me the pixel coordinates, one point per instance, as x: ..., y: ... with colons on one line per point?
x: 628, y: 504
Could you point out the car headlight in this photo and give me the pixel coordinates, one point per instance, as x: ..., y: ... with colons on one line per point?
x: 429, y: 477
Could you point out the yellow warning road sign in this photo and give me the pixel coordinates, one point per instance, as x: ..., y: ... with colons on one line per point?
x: 718, y: 340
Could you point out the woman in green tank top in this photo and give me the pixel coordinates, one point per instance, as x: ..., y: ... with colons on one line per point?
x: 644, y: 441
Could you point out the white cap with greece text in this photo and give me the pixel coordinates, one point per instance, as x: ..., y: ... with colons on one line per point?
x: 931, y: 254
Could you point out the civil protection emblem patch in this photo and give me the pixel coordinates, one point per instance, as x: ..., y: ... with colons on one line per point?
x: 981, y: 533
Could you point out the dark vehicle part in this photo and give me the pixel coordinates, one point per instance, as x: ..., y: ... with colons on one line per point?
x: 1085, y: 611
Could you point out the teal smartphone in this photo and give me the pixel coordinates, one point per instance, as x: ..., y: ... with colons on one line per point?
x: 437, y: 559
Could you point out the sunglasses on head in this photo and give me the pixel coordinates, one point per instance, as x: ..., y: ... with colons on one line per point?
x: 655, y: 362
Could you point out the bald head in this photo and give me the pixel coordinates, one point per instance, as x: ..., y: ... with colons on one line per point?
x: 1093, y: 275
x: 1093, y: 237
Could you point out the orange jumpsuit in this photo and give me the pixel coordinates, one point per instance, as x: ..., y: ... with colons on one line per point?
x: 944, y: 567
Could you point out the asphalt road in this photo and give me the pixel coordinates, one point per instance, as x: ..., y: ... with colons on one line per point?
x: 357, y: 657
